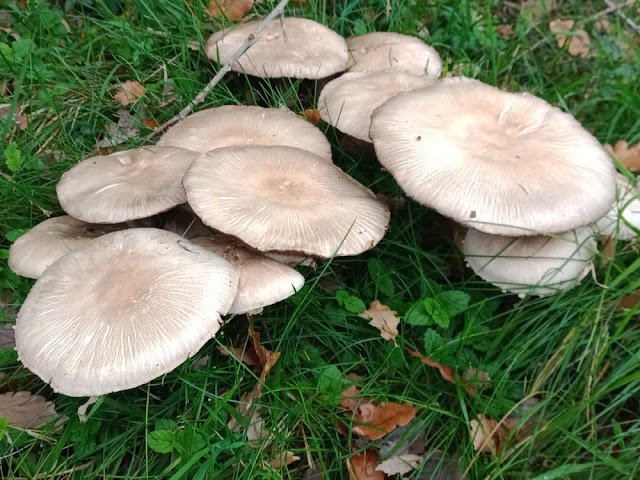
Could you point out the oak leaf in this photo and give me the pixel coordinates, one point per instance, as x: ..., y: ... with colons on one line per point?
x: 129, y: 92
x: 25, y: 410
x: 362, y: 466
x: 232, y: 9
x: 384, y: 319
x: 579, y: 41
x: 628, y: 156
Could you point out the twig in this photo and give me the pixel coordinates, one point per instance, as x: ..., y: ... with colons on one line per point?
x: 619, y: 12
x: 279, y: 9
x: 612, y: 7
x: 284, y: 30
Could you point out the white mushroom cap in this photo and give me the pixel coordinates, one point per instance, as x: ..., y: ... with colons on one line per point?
x: 245, y: 125
x: 386, y: 50
x: 32, y: 253
x: 128, y: 307
x: 348, y: 101
x: 311, y: 50
x: 623, y: 219
x: 504, y: 163
x: 285, y: 199
x: 126, y: 185
x: 262, y: 281
x: 536, y: 265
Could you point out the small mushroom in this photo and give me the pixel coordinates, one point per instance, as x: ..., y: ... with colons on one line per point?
x: 622, y: 221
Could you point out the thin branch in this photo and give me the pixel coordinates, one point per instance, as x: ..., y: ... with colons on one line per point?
x: 278, y: 10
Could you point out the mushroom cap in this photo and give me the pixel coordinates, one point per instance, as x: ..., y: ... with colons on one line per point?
x: 128, y: 307
x: 387, y: 50
x: 285, y: 199
x: 624, y: 214
x: 311, y: 50
x: 245, y: 125
x: 536, y: 265
x: 503, y: 163
x: 32, y: 253
x: 125, y: 185
x: 262, y: 281
x: 348, y: 102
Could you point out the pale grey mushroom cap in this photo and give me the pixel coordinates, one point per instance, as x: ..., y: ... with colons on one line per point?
x: 387, y: 50
x: 262, y: 281
x: 33, y: 252
x: 535, y: 265
x: 623, y: 219
x: 311, y: 50
x: 245, y: 125
x: 503, y: 163
x: 348, y: 102
x: 285, y: 199
x: 125, y: 185
x: 128, y: 307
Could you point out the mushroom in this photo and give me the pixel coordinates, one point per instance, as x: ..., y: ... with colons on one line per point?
x: 128, y: 307
x: 348, y: 101
x: 503, y: 163
x: 262, y: 281
x: 124, y: 186
x: 378, y: 51
x: 295, y: 47
x: 33, y: 252
x: 245, y: 125
x: 536, y: 265
x: 622, y: 221
x: 285, y: 199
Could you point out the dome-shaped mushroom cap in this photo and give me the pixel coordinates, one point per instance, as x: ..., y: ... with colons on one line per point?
x: 387, y: 50
x: 125, y: 185
x: 32, y: 253
x: 262, y: 281
x: 503, y: 163
x: 348, y: 101
x: 128, y: 307
x: 245, y: 125
x: 285, y: 199
x: 623, y: 219
x: 311, y: 50
x: 536, y: 265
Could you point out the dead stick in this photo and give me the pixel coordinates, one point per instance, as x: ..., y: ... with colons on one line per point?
x: 279, y: 9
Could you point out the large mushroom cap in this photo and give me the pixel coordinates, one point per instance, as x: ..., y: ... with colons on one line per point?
x: 311, y: 50
x: 245, y: 125
x: 128, y: 307
x: 285, y: 199
x: 387, y: 50
x: 504, y: 163
x: 623, y: 219
x: 262, y: 281
x: 126, y: 185
x: 536, y: 265
x: 32, y: 253
x: 348, y: 101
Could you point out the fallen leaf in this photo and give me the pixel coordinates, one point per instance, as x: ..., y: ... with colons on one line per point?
x: 448, y: 373
x: 629, y: 301
x: 400, y: 465
x: 18, y: 117
x: 311, y: 115
x: 384, y: 319
x: 608, y: 251
x: 362, y: 466
x: 150, y: 123
x: 24, y: 410
x: 285, y: 458
x: 7, y: 336
x: 628, y: 156
x: 579, y: 40
x: 129, y: 92
x: 120, y: 133
x: 504, y: 31
x: 487, y: 435
x: 232, y: 9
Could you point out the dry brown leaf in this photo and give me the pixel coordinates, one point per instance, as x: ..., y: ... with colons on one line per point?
x: 629, y: 301
x: 24, y: 410
x: 129, y: 92
x: 384, y: 319
x: 579, y: 41
x: 232, y: 9
x: 628, y: 156
x: 448, y: 373
x: 504, y: 30
x: 150, y: 123
x: 608, y: 251
x: 401, y: 464
x: 311, y: 115
x: 7, y: 336
x: 285, y: 458
x: 18, y: 117
x: 120, y: 133
x: 362, y: 466
x: 487, y: 435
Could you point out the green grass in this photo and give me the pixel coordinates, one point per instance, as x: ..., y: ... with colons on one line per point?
x: 577, y: 352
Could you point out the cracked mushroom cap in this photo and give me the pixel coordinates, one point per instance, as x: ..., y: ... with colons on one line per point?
x: 503, y: 163
x: 348, y: 102
x: 262, y: 281
x: 536, y: 265
x: 285, y: 199
x: 378, y: 51
x: 32, y: 253
x: 128, y: 307
x: 311, y: 50
x: 245, y: 125
x: 623, y: 219
x: 126, y: 185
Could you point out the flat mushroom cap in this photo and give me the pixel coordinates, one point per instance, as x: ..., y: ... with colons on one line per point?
x: 262, y: 281
x: 387, y: 50
x: 285, y: 199
x: 128, y: 307
x: 503, y: 163
x: 33, y: 252
x: 125, y: 185
x: 536, y: 265
x: 348, y: 102
x: 624, y: 214
x: 245, y: 125
x: 311, y: 50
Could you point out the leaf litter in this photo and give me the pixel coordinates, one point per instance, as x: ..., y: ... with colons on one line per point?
x: 384, y: 319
